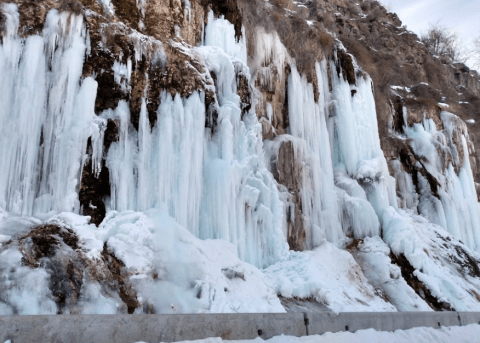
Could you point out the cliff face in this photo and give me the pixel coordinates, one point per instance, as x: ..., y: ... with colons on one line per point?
x: 302, y: 133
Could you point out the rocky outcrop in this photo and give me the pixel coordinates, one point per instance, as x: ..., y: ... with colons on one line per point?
x: 286, y: 168
x: 56, y: 248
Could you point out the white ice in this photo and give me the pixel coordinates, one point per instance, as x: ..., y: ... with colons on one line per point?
x: 330, y: 276
x: 44, y: 138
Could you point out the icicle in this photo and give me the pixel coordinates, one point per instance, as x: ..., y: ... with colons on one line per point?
x: 122, y: 74
x: 308, y: 123
x: 221, y: 33
x: 44, y: 141
x: 187, y: 10
x: 97, y: 134
x: 455, y: 206
x: 357, y: 142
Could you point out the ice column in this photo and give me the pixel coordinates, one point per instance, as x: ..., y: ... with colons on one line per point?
x: 356, y: 149
x: 308, y: 122
x: 44, y: 113
x: 240, y: 198
x: 163, y: 165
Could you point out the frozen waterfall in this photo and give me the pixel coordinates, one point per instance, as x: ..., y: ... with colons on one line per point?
x: 45, y: 114
x: 215, y: 182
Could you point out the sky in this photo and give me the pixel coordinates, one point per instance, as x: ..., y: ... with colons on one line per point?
x: 461, y: 15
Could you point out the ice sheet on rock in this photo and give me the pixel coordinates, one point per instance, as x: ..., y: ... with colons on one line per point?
x: 355, y: 123
x: 442, y: 263
x: 97, y: 134
x: 107, y: 6
x: 424, y: 137
x: 271, y: 56
x: 187, y: 10
x: 358, y: 216
x: 330, y: 276
x: 162, y: 165
x: 122, y: 74
x: 357, y: 154
x: 234, y: 165
x: 455, y: 207
x: 319, y: 206
x: 42, y: 165
x: 406, y: 192
x: 372, y: 255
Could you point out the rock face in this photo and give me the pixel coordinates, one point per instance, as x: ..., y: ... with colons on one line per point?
x: 247, y: 117
x: 56, y: 249
x: 287, y: 172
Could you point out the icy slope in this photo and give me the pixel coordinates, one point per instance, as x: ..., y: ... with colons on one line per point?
x: 166, y: 270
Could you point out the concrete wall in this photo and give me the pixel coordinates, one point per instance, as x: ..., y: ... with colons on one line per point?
x: 147, y: 328
x: 172, y: 328
x: 319, y: 323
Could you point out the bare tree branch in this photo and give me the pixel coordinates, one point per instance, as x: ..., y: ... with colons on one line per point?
x: 445, y: 43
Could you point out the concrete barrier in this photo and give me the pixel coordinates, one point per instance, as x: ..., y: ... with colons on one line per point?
x: 148, y: 328
x: 173, y: 328
x: 467, y: 318
x: 320, y: 323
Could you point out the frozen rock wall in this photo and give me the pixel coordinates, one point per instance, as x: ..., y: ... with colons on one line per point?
x: 188, y: 130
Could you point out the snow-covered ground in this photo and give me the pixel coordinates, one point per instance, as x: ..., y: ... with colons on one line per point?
x: 464, y: 334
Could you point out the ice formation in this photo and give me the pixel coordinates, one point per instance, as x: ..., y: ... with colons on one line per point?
x: 44, y: 138
x: 195, y: 214
x: 215, y: 184
x: 310, y: 125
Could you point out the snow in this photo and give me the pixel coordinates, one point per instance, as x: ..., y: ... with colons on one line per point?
x: 431, y: 250
x: 373, y: 258
x: 460, y: 334
x: 25, y: 290
x: 191, y: 275
x: 330, y: 276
